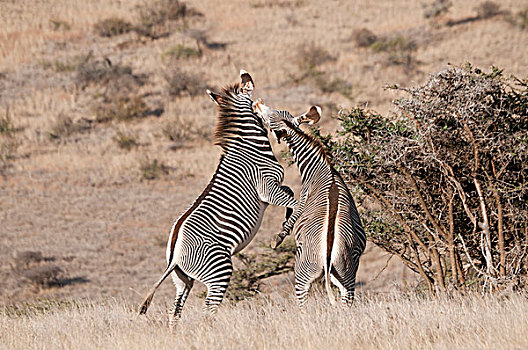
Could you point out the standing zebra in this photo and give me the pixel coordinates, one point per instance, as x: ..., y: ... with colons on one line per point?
x: 327, y: 228
x: 228, y: 213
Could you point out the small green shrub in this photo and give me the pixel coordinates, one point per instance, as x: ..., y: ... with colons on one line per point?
x: 8, y: 142
x: 112, y: 27
x: 181, y: 52
x: 8, y: 148
x: 6, y: 124
x: 58, y: 24
x: 125, y: 141
x: 152, y: 169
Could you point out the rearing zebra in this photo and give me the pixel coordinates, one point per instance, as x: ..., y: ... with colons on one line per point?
x: 327, y: 228
x: 228, y: 213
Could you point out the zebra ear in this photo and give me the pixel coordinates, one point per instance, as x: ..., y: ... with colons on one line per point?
x: 216, y: 98
x: 311, y: 117
x: 246, y: 83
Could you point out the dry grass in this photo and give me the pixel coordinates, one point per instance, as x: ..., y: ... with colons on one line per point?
x: 81, y: 195
x: 375, y: 322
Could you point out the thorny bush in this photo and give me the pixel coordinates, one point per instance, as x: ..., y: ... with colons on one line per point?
x: 445, y: 184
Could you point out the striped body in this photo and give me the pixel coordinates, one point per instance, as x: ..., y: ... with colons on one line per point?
x: 326, y: 225
x: 228, y: 213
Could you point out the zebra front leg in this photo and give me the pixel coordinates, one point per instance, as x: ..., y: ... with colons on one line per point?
x: 270, y: 191
x: 287, y: 226
x: 289, y: 211
x: 183, y: 286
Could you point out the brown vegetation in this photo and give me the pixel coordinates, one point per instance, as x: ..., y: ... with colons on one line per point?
x: 275, y: 322
x: 83, y: 193
x: 449, y: 176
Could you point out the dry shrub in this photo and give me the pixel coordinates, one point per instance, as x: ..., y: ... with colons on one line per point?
x: 487, y: 9
x: 6, y: 124
x: 152, y: 169
x: 311, y: 56
x: 309, y: 59
x: 58, y: 24
x: 8, y: 142
x: 436, y: 8
x: 328, y: 85
x: 449, y: 178
x: 44, y: 276
x: 246, y: 280
x: 155, y: 18
x: 179, y: 129
x: 125, y: 141
x: 22, y: 260
x: 112, y: 27
x: 518, y: 19
x: 397, y: 49
x: 364, y: 37
x: 121, y: 107
x: 278, y: 3
x: 64, y: 126
x: 8, y: 149
x: 181, y: 52
x: 185, y: 83
x: 103, y: 72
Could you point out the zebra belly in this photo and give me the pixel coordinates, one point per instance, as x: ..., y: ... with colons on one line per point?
x: 253, y: 231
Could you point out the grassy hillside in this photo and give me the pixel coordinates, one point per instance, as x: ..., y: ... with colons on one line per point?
x: 104, y: 140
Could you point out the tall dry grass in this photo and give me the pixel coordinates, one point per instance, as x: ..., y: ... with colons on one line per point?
x: 386, y: 322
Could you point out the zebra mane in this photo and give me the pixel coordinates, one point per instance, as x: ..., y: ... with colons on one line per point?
x: 235, y: 117
x: 312, y: 141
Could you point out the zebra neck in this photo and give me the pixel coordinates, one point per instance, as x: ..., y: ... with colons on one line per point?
x: 250, y: 144
x: 308, y: 154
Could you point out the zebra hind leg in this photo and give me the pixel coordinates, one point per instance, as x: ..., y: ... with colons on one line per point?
x: 183, y: 286
x: 217, y: 281
x: 346, y: 281
x: 305, y: 274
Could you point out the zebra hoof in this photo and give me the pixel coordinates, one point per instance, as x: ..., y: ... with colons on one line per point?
x: 276, y: 241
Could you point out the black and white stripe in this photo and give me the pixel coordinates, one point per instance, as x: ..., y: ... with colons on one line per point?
x: 327, y: 227
x: 228, y: 213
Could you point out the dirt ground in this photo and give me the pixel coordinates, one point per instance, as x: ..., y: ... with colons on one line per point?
x: 100, y: 212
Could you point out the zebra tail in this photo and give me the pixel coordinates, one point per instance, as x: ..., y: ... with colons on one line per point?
x: 144, y: 307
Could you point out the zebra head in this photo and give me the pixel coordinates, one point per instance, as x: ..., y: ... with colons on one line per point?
x: 280, y: 122
x: 244, y: 88
x: 238, y: 125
